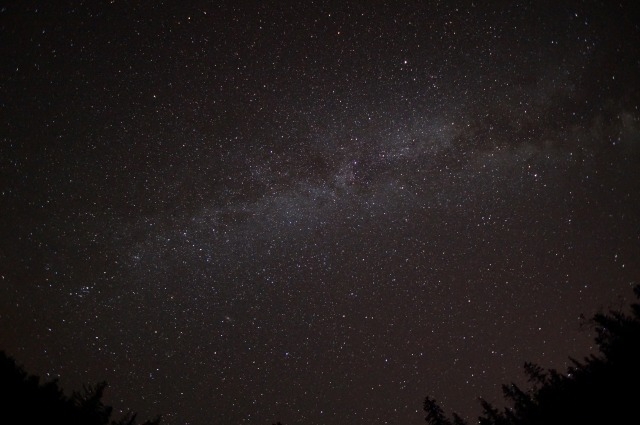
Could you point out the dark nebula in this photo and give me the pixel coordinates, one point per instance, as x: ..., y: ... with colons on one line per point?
x: 313, y: 212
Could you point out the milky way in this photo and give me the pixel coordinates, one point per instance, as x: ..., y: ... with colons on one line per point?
x: 313, y: 213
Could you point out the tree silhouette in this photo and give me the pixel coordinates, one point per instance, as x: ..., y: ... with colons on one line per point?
x: 23, y: 400
x: 435, y: 414
x: 602, y: 389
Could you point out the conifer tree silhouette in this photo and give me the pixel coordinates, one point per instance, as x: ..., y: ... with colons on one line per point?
x: 435, y: 414
x: 24, y: 401
x: 601, y: 389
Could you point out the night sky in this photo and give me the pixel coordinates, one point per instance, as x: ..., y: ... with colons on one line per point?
x: 313, y: 212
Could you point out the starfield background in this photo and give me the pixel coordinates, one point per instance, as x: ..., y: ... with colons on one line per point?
x: 313, y: 212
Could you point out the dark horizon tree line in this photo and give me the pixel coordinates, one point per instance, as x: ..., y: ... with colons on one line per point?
x: 25, y: 400
x: 603, y: 388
